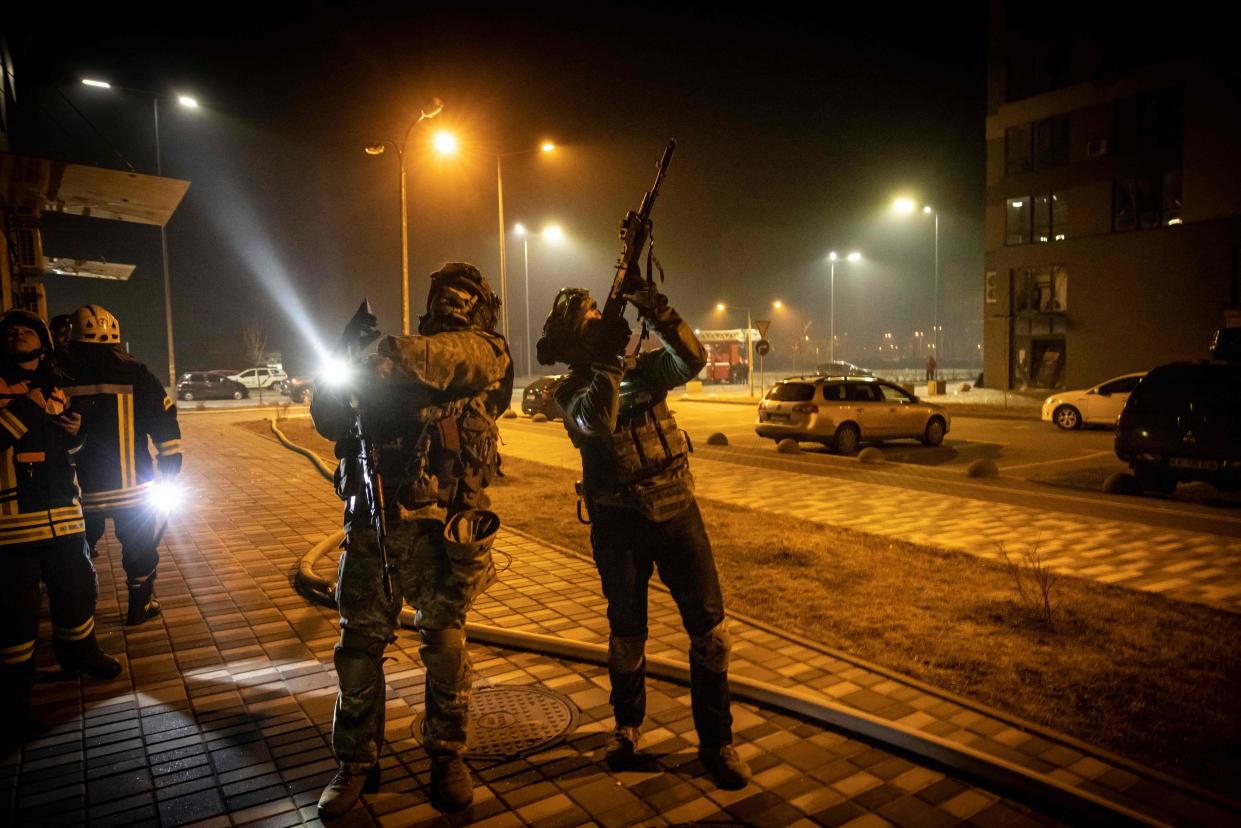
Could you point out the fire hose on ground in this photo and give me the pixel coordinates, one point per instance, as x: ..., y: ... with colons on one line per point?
x: 1046, y: 792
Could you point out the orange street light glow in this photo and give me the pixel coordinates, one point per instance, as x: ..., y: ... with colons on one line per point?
x: 445, y: 143
x: 548, y: 146
x: 719, y: 306
x: 777, y: 304
x: 553, y: 232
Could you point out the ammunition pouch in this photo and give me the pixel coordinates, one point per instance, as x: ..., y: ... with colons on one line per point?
x: 452, y: 460
x: 651, y: 462
x: 468, y: 537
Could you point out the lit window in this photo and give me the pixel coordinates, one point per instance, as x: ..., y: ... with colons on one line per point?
x: 1017, y: 221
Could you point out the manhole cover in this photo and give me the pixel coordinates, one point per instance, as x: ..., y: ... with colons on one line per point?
x: 509, y: 720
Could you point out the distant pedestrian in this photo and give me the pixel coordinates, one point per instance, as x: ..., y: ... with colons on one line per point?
x: 40, y: 521
x: 931, y: 365
x: 123, y: 406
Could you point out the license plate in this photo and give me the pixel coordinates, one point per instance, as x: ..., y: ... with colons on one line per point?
x: 1193, y: 463
x: 774, y: 415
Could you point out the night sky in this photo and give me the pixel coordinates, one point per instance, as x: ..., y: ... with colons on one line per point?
x: 795, y: 132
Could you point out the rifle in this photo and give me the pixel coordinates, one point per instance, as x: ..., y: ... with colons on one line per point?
x: 635, y: 233
x: 359, y: 332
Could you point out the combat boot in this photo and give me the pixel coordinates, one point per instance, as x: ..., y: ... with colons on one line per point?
x: 622, y: 747
x: 84, y: 656
x: 451, y: 788
x: 349, y: 783
x: 729, y: 770
x: 143, y: 605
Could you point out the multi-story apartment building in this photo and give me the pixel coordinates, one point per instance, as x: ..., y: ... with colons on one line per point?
x: 1113, y: 215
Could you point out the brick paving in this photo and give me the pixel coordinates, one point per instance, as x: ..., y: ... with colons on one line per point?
x: 1185, y: 565
x: 223, y: 712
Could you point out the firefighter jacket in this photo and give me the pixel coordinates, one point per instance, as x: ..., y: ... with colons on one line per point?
x: 122, y: 405
x: 633, y: 453
x: 430, y: 412
x: 38, y: 492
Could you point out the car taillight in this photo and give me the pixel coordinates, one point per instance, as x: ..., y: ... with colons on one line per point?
x: 806, y: 408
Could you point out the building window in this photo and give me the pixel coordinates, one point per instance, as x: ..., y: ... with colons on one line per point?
x: 1017, y: 221
x: 1059, y: 217
x: 1017, y: 149
x: 1142, y: 203
x: 1172, y: 198
x: 1050, y: 218
x: 1042, y: 289
x: 1051, y: 142
x: 1161, y: 118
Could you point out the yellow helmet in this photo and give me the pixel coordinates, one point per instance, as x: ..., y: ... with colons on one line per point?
x: 94, y: 323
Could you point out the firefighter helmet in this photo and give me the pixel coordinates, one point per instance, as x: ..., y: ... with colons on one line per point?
x: 95, y: 324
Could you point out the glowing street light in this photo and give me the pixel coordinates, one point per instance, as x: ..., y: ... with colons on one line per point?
x: 905, y: 206
x: 189, y: 103
x: 853, y: 258
x: 433, y: 107
x: 546, y: 147
x: 777, y: 304
x: 552, y: 233
x: 445, y: 143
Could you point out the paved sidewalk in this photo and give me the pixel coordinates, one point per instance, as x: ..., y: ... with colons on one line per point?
x: 223, y: 712
x: 1189, y: 566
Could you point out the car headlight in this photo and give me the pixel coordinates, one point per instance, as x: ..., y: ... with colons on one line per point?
x: 166, y: 496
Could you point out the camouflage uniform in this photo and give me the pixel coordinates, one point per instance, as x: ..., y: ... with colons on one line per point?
x: 433, y: 421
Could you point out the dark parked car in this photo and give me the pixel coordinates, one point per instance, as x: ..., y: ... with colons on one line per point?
x: 299, y: 389
x: 1183, y: 422
x: 210, y: 385
x: 538, y: 399
x: 840, y: 368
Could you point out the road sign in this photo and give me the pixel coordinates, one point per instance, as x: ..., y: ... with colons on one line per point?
x: 762, y: 325
x: 762, y: 347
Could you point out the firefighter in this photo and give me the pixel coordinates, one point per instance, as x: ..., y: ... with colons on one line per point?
x: 429, y: 403
x: 123, y: 405
x: 639, y: 494
x: 40, y: 519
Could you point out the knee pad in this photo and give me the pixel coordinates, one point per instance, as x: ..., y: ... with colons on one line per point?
x: 358, y: 662
x: 712, y: 648
x: 625, y: 652
x: 450, y: 637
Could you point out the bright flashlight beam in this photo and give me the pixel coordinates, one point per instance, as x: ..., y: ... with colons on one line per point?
x: 335, y: 372
x: 166, y: 496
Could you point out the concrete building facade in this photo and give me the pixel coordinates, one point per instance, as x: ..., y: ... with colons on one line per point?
x: 1113, y: 217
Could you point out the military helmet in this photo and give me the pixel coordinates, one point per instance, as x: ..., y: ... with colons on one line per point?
x: 94, y: 323
x: 449, y: 311
x: 563, y: 324
x: 16, y: 316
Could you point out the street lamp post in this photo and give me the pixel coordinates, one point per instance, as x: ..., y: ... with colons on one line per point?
x: 906, y: 206
x: 546, y: 146
x: 191, y: 103
x: 831, y: 324
x: 433, y: 108
x: 552, y: 232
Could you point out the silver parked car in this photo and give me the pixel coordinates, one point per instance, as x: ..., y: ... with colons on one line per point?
x: 843, y: 412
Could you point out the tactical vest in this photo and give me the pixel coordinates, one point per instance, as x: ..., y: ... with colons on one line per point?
x: 449, y: 460
x: 649, y: 458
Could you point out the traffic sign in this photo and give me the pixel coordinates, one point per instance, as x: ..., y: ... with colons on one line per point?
x: 762, y: 325
x: 762, y: 347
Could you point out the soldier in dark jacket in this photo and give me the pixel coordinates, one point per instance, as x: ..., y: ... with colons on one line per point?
x: 429, y: 403
x: 640, y: 496
x: 40, y: 520
x: 123, y: 406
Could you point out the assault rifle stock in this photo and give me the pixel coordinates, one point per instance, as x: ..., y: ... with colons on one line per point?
x: 635, y: 234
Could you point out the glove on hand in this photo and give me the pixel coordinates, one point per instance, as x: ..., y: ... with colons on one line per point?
x: 606, y: 340
x: 648, y: 300
x: 360, y: 331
